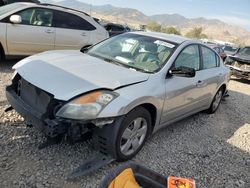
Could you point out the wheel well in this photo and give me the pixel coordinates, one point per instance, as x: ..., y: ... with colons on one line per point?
x: 153, y: 112
x: 224, y: 87
x: 2, y: 52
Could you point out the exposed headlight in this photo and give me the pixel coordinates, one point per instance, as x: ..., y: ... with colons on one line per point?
x: 87, y: 106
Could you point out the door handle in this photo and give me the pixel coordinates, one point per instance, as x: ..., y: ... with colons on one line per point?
x: 49, y: 31
x: 83, y: 34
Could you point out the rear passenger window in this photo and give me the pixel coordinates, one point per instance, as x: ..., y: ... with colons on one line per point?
x: 189, y: 57
x: 209, y: 58
x: 70, y: 21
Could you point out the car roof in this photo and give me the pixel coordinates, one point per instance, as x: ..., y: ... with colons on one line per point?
x: 170, y: 37
x: 53, y: 6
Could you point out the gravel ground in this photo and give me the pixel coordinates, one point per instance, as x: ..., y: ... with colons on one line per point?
x: 212, y: 149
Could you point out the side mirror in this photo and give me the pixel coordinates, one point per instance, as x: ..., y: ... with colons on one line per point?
x: 16, y: 19
x: 183, y: 72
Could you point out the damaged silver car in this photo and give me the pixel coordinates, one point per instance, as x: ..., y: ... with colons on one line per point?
x: 120, y: 91
x: 240, y: 63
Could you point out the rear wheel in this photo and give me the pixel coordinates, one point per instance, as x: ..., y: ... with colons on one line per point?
x: 216, y: 101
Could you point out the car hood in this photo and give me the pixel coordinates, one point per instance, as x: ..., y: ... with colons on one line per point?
x: 66, y: 74
x: 241, y: 58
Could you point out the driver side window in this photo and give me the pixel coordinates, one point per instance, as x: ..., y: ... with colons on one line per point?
x: 189, y: 57
x: 37, y: 17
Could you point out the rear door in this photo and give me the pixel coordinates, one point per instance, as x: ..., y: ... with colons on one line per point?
x: 34, y: 34
x: 72, y: 31
x: 211, y: 74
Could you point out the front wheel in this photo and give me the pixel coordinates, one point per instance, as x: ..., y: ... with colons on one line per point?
x: 125, y: 137
x: 133, y: 133
x: 216, y: 101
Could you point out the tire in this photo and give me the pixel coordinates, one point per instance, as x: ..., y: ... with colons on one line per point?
x: 109, y: 139
x: 216, y: 101
x: 2, y: 55
x: 130, y: 138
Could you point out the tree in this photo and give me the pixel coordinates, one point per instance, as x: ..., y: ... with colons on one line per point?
x: 196, y: 33
x: 153, y: 26
x: 171, y: 30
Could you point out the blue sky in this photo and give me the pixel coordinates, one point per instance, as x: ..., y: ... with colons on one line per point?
x: 230, y: 11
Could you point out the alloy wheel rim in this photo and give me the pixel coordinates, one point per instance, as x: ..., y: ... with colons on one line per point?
x: 217, y: 100
x: 133, y: 136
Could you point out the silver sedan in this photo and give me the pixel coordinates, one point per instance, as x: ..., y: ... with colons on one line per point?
x: 119, y: 91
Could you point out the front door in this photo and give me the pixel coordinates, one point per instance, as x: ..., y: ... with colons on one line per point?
x: 33, y: 35
x: 183, y: 95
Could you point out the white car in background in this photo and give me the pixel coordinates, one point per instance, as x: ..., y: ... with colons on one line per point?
x: 29, y: 28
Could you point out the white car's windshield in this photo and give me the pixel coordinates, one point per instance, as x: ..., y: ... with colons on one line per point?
x: 8, y: 8
x: 143, y: 53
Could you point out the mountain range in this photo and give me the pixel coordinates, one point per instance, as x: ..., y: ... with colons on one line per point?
x: 213, y: 28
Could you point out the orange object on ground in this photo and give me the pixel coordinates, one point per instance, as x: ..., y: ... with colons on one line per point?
x: 126, y: 179
x: 175, y: 182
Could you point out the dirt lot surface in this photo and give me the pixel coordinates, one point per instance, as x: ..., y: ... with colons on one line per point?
x: 212, y: 149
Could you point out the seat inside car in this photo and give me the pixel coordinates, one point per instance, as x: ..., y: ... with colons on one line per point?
x: 147, y: 52
x: 43, y: 19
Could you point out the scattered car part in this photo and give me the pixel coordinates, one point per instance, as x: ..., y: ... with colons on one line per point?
x: 90, y: 165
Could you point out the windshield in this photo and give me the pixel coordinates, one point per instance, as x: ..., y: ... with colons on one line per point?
x: 142, y: 53
x: 8, y: 8
x: 245, y: 51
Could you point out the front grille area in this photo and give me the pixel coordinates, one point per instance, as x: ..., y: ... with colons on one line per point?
x: 34, y: 97
x: 39, y: 100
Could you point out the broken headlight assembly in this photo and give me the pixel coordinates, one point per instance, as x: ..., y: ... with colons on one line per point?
x: 88, y: 106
